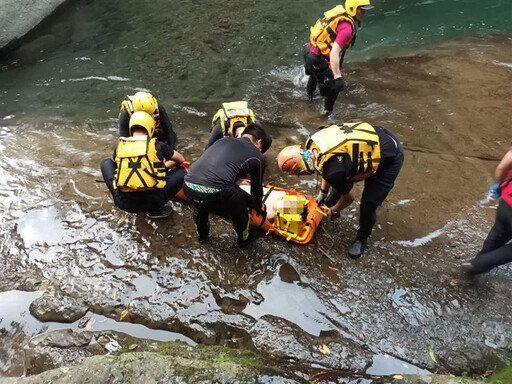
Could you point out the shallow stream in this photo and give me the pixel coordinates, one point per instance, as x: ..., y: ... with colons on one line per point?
x: 434, y: 72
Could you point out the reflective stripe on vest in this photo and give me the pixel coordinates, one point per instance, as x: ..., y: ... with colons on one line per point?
x: 231, y: 113
x: 323, y: 33
x: 138, y: 166
x: 358, y: 140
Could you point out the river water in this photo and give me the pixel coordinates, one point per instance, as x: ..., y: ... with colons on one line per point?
x: 435, y: 72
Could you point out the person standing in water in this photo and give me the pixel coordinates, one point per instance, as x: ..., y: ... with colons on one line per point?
x: 329, y: 39
x: 496, y: 251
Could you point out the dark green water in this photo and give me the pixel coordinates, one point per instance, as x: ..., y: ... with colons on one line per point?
x: 193, y: 54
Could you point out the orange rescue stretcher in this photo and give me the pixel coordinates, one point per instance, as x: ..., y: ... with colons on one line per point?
x: 289, y: 214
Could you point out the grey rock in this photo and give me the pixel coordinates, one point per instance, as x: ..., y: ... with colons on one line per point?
x: 53, y: 306
x: 57, y: 349
x: 18, y: 17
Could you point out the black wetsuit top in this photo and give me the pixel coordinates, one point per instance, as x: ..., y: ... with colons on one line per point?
x: 340, y: 172
x: 227, y: 161
x: 165, y: 133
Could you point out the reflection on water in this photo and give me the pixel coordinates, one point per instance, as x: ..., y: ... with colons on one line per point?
x: 41, y: 226
x: 290, y: 301
x: 15, y: 317
x: 388, y: 365
x: 16, y: 321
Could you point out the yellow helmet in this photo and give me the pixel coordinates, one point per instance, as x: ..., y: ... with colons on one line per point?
x: 144, y: 120
x: 352, y: 5
x: 142, y: 101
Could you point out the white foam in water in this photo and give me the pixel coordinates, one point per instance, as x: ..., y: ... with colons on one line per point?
x: 112, y: 78
x: 496, y: 62
x: 422, y: 240
x: 88, y: 78
x: 118, y: 78
x: 404, y: 201
x: 303, y: 130
x: 192, y: 111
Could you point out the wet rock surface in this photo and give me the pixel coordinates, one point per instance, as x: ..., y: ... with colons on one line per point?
x: 174, y: 362
x: 406, y: 298
x: 56, y: 349
x: 56, y: 307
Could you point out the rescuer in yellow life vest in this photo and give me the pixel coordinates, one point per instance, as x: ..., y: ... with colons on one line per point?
x: 329, y: 39
x: 145, y: 101
x: 144, y: 173
x: 345, y: 154
x: 231, y: 120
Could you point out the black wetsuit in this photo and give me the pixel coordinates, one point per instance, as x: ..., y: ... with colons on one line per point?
x: 212, y: 183
x: 164, y: 133
x: 217, y: 134
x: 145, y: 201
x: 339, y: 174
x: 496, y: 251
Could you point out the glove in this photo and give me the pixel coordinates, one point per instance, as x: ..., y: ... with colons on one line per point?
x: 321, y: 196
x: 495, y: 191
x: 339, y: 85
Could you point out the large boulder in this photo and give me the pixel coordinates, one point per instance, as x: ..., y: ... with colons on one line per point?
x: 18, y: 17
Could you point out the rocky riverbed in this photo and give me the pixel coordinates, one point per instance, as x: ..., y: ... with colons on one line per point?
x: 406, y: 302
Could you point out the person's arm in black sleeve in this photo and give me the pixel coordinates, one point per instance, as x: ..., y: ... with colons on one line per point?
x: 169, y: 156
x: 337, y: 174
x: 257, y: 171
x: 215, y: 135
x: 124, y: 123
x: 169, y: 135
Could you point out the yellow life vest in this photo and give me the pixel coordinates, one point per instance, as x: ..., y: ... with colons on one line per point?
x: 138, y: 166
x: 231, y: 113
x: 358, y: 140
x: 323, y: 33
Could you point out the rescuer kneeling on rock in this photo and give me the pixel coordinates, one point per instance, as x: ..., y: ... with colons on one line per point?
x: 344, y: 154
x: 146, y: 102
x: 144, y: 172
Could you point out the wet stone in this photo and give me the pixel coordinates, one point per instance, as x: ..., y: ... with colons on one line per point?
x: 56, y: 349
x: 53, y: 306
